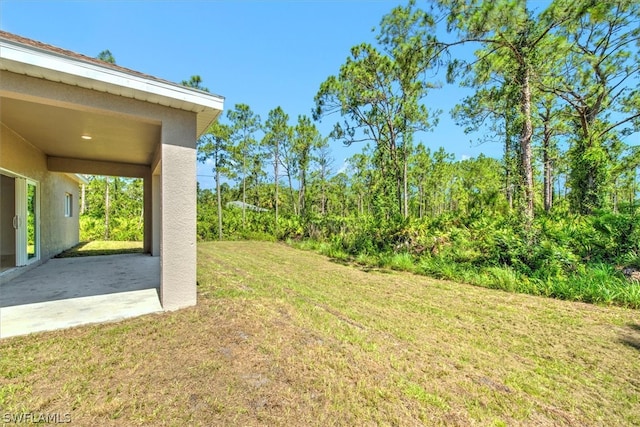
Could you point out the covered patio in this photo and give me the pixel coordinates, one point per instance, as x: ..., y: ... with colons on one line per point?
x: 63, y: 114
x: 67, y: 292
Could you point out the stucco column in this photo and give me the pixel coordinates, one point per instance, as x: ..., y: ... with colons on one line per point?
x: 178, y: 213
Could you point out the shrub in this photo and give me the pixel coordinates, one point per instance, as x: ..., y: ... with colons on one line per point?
x: 504, y: 278
x: 401, y: 261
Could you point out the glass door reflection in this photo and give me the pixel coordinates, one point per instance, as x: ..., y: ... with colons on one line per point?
x: 32, y: 229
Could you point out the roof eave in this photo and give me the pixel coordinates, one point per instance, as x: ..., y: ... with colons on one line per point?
x: 79, y: 178
x: 40, y: 63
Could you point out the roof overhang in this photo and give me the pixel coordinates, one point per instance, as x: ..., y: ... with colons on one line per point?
x: 56, y: 66
x: 79, y: 178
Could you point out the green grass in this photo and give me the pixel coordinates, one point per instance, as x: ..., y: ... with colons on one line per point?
x: 592, y: 283
x: 288, y: 337
x: 102, y: 247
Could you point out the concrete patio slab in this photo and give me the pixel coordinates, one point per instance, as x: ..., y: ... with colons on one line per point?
x: 68, y: 292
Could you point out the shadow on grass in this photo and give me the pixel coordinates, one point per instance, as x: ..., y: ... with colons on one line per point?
x: 632, y: 340
x: 362, y: 267
x: 340, y: 261
x: 85, y: 249
x: 635, y: 326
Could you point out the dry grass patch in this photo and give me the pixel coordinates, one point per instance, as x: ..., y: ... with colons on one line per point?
x: 287, y: 337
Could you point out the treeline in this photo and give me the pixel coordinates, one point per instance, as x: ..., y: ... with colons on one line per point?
x: 111, y: 209
x: 438, y: 186
x: 557, y: 215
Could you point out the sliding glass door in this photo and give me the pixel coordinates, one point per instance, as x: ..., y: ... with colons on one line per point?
x: 20, y: 203
x: 7, y: 222
x: 20, y: 221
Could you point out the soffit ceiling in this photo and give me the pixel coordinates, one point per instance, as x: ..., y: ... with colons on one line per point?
x: 58, y: 131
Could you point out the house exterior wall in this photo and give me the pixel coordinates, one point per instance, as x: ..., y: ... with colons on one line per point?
x: 57, y: 232
x: 178, y: 210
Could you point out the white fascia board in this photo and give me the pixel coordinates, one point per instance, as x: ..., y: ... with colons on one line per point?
x: 86, y: 74
x: 81, y: 179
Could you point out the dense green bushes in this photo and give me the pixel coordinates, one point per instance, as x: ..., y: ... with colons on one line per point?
x: 121, y: 229
x: 112, y: 209
x: 256, y: 226
x: 569, y: 257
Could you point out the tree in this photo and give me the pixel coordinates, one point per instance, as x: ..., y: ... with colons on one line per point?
x: 337, y: 200
x: 116, y: 217
x: 379, y: 93
x: 600, y: 57
x: 106, y: 56
x: 361, y: 177
x: 440, y: 181
x: 107, y: 208
x: 480, y: 184
x: 493, y: 107
x: 244, y: 124
x: 323, y: 161
x: 214, y: 145
x: 278, y: 134
x: 421, y: 163
x: 510, y: 37
x: 306, y: 140
x: 553, y: 121
x: 625, y: 175
x: 195, y: 82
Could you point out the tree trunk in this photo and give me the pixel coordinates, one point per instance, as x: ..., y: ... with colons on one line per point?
x: 548, y: 167
x: 632, y: 193
x: 219, y: 203
x: 106, y: 208
x: 548, y: 180
x: 244, y: 191
x: 508, y: 187
x: 275, y: 179
x: 301, y: 193
x: 525, y: 144
x: 83, y: 204
x: 405, y: 183
x: 323, y: 178
x: 291, y: 196
x: 420, y: 201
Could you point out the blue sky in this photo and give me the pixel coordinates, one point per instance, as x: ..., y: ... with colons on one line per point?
x: 265, y: 53
x: 262, y: 53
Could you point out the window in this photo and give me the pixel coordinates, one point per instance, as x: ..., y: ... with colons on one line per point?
x: 68, y: 205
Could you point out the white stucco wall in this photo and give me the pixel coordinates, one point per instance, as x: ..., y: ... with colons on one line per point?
x: 178, y: 209
x: 57, y: 232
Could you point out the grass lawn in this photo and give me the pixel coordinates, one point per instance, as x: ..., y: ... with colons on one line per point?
x: 287, y: 337
x: 102, y: 247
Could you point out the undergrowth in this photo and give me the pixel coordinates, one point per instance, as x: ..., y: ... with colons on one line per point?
x: 571, y: 258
